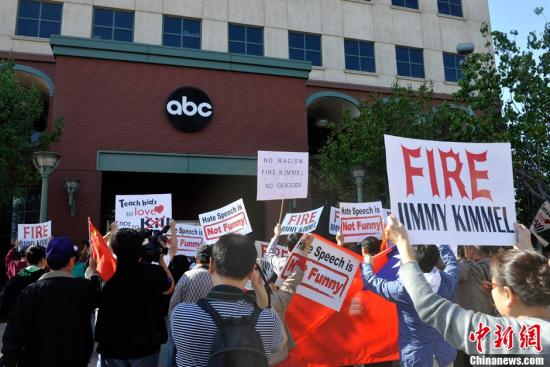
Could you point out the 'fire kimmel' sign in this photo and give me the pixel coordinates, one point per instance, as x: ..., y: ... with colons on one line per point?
x: 305, y: 222
x: 447, y: 192
x: 37, y: 234
x: 334, y: 221
x: 143, y: 211
x: 361, y: 220
x: 282, y: 175
x: 232, y: 218
x: 330, y: 269
x: 189, y: 237
x: 261, y: 249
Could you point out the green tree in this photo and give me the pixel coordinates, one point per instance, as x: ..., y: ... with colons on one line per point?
x: 20, y: 107
x: 511, y: 101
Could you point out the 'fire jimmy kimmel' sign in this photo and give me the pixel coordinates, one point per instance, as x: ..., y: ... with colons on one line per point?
x: 189, y: 109
x: 455, y: 193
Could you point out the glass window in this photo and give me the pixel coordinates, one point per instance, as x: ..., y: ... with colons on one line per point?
x: 116, y: 25
x: 306, y: 47
x: 413, y: 4
x: 181, y: 32
x: 39, y: 18
x: 452, y: 67
x: 450, y: 7
x: 359, y: 55
x: 245, y: 39
x: 410, y: 62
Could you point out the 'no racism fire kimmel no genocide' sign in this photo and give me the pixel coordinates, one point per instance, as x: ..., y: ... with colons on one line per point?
x: 455, y: 193
x: 282, y: 175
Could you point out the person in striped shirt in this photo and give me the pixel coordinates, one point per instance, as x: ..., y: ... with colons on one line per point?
x: 232, y: 264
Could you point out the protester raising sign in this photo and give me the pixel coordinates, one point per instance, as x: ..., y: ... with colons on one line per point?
x: 143, y: 211
x: 261, y: 249
x: 189, y: 237
x: 37, y: 234
x: 541, y: 224
x: 361, y: 220
x: 232, y: 218
x: 282, y: 175
x: 305, y: 222
x: 446, y: 192
x: 329, y: 272
x: 334, y: 221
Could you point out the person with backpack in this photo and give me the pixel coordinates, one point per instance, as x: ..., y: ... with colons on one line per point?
x: 227, y: 328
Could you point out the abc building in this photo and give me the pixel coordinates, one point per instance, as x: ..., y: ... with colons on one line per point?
x: 177, y: 96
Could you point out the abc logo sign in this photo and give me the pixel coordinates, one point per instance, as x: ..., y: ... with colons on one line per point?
x: 189, y: 109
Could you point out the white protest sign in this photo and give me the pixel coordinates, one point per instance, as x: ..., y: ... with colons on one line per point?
x: 334, y: 221
x: 143, y: 211
x: 541, y: 223
x: 232, y: 218
x: 282, y: 175
x: 261, y: 249
x: 361, y: 220
x: 305, y: 222
x: 37, y: 234
x: 458, y: 193
x: 189, y: 237
x: 330, y: 270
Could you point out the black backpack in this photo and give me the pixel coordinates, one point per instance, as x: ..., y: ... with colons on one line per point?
x: 236, y: 343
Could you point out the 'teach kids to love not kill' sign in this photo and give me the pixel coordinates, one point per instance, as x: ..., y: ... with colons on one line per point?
x: 444, y: 191
x: 282, y: 175
x: 305, y: 222
x: 143, y: 211
x: 189, y: 238
x: 330, y: 269
x: 232, y: 218
x: 37, y: 234
x: 361, y: 220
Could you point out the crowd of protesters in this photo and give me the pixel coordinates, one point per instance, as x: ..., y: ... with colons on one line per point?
x: 55, y: 304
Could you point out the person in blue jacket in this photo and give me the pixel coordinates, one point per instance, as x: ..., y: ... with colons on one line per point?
x: 420, y: 345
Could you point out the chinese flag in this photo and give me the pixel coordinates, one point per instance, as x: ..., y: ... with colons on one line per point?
x: 325, y: 337
x: 106, y: 263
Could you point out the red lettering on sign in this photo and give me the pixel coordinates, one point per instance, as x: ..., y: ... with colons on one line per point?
x: 478, y: 175
x: 411, y: 171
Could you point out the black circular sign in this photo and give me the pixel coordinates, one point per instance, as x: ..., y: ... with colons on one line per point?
x: 189, y: 109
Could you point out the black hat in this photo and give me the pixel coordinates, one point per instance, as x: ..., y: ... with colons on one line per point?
x: 204, y: 252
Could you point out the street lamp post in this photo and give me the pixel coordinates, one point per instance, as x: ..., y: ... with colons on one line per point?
x: 359, y: 173
x: 45, y: 163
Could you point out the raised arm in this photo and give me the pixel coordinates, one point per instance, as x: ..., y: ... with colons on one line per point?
x: 173, y: 249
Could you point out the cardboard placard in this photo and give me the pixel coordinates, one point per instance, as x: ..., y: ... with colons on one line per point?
x: 36, y: 234
x: 143, y: 211
x: 190, y: 237
x: 361, y: 220
x: 305, y: 222
x: 330, y: 269
x: 261, y: 248
x: 232, y: 218
x: 541, y: 224
x: 282, y: 175
x: 454, y: 193
x: 334, y: 221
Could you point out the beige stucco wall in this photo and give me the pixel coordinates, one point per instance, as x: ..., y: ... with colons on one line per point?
x: 375, y: 20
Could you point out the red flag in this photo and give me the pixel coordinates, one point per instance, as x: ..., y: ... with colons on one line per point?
x: 106, y: 263
x: 364, y: 331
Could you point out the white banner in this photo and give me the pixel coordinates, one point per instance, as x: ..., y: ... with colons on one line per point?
x: 143, y: 211
x: 282, y: 175
x: 305, y: 222
x: 37, y: 234
x: 361, y: 220
x: 232, y: 218
x: 190, y: 237
x: 334, y: 221
x: 261, y: 249
x: 541, y: 223
x: 455, y: 193
x: 330, y: 270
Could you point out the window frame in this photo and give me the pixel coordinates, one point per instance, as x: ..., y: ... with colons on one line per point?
x: 397, y: 61
x: 181, y: 31
x: 359, y: 56
x: 113, y: 27
x: 245, y: 42
x: 449, y: 6
x: 456, y: 68
x: 39, y: 19
x: 305, y: 49
x: 405, y: 5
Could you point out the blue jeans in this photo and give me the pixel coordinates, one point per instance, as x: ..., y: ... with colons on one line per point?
x: 152, y: 360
